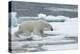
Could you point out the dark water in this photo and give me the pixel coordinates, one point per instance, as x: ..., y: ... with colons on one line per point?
x: 33, y: 9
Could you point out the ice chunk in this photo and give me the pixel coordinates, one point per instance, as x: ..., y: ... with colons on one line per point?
x: 41, y: 15
x: 60, y: 47
x: 36, y: 37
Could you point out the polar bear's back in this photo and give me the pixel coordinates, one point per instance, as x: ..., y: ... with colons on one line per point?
x: 29, y: 25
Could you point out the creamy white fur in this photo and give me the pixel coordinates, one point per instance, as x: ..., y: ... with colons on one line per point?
x: 33, y: 26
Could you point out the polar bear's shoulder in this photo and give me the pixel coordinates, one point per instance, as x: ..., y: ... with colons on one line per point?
x: 43, y: 21
x: 29, y: 21
x: 34, y: 22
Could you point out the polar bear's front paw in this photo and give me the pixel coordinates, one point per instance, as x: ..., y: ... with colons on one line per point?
x: 36, y: 37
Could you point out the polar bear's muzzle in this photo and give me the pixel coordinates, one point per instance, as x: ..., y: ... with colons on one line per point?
x: 51, y: 29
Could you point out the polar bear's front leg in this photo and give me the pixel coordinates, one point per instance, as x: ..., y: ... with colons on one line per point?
x: 42, y: 33
x: 36, y: 32
x: 28, y: 33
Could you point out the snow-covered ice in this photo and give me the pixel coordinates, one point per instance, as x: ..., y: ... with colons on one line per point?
x: 60, y: 47
x: 55, y: 40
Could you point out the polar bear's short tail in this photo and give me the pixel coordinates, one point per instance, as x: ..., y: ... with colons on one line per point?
x: 18, y: 31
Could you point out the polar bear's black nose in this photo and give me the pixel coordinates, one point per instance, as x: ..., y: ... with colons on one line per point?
x: 51, y: 29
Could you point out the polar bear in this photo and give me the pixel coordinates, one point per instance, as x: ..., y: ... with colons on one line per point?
x: 33, y: 26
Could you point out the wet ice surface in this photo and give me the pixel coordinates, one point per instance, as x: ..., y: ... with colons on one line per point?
x: 64, y: 36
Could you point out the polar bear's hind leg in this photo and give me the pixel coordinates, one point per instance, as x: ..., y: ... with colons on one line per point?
x: 17, y: 33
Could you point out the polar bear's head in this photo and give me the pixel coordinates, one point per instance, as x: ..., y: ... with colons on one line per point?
x: 49, y: 26
x: 46, y: 25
